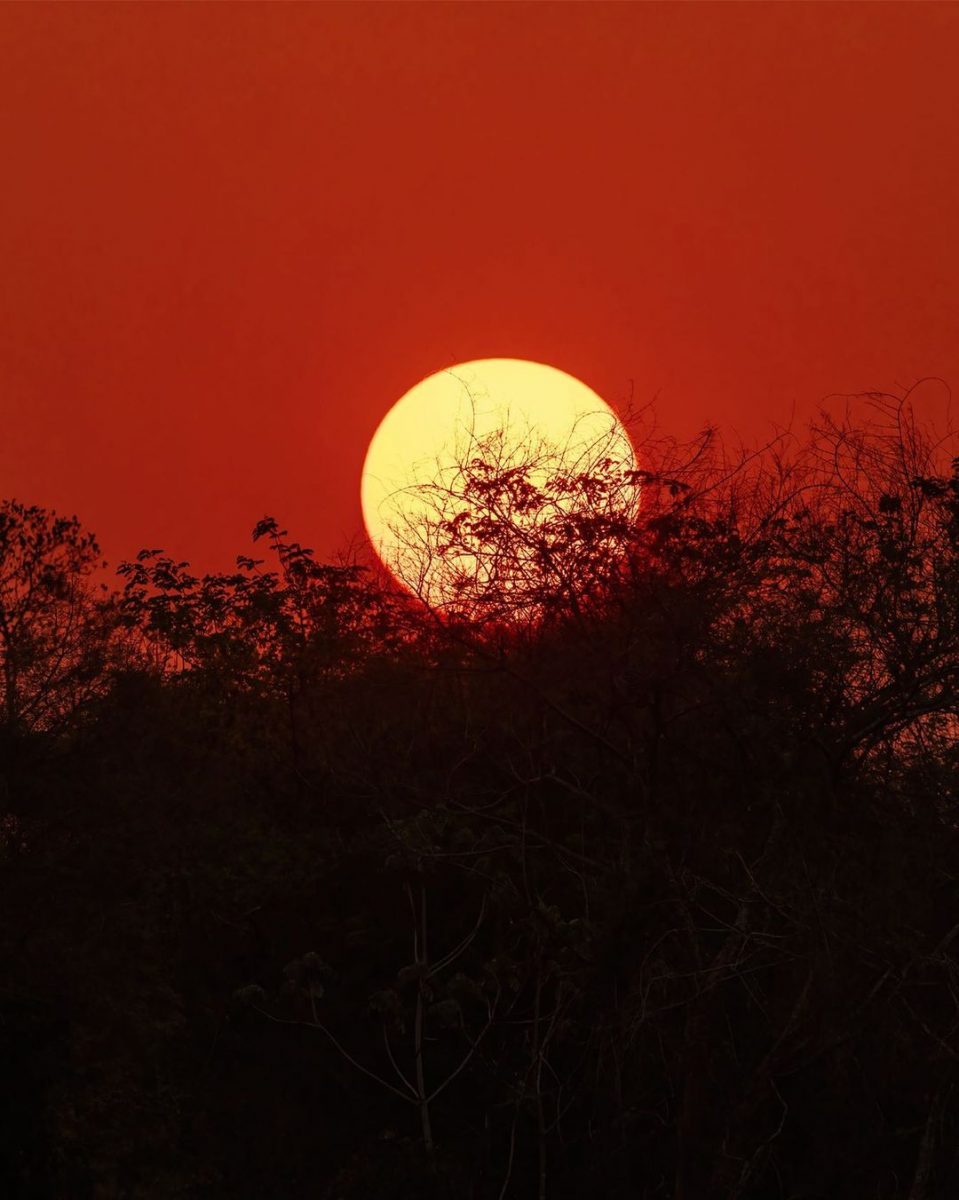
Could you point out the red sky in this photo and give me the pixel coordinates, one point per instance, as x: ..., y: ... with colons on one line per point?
x: 232, y: 235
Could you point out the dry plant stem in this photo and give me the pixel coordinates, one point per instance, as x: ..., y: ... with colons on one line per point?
x: 421, y: 961
x: 922, y: 1179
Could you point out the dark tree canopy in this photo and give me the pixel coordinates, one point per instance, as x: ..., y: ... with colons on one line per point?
x: 649, y: 889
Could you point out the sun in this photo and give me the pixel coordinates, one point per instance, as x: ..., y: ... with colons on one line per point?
x: 477, y: 474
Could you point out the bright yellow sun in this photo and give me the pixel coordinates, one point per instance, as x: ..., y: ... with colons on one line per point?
x: 436, y: 451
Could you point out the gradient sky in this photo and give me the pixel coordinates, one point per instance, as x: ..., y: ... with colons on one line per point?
x: 232, y: 235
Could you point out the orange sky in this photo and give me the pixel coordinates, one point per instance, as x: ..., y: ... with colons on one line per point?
x: 232, y: 235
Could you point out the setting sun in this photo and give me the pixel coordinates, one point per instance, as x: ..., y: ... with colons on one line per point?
x: 501, y: 415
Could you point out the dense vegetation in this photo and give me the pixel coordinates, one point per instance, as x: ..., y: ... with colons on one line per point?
x: 312, y: 891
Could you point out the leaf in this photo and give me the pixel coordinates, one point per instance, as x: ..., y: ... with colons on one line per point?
x: 249, y: 996
x: 447, y: 1012
x: 410, y: 973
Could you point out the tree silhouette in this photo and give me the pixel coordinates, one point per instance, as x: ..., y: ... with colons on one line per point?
x: 54, y: 626
x: 631, y: 865
x: 515, y: 526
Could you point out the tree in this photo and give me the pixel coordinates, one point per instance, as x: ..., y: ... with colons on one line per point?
x: 670, y: 859
x: 55, y: 623
x: 515, y: 527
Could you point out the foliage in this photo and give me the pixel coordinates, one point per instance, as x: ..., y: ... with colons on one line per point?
x: 650, y: 892
x: 515, y: 525
x: 54, y: 628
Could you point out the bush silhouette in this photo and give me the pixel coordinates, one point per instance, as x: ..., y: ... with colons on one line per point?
x: 640, y: 884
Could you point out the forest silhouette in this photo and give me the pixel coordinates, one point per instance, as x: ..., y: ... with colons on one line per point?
x: 629, y: 872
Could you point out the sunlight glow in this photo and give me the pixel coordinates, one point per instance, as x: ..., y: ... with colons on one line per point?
x: 519, y: 411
